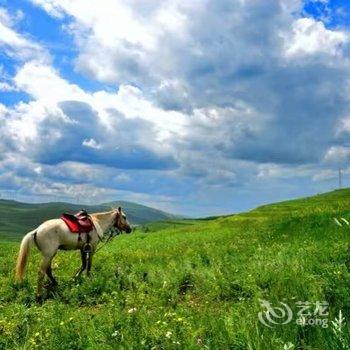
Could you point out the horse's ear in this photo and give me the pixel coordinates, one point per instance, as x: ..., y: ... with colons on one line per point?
x: 120, y: 209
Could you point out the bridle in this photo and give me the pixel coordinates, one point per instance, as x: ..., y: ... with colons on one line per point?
x: 119, y: 225
x: 116, y: 221
x: 114, y: 231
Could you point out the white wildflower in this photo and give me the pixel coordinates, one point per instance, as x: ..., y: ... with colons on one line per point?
x: 344, y: 220
x: 168, y: 334
x: 337, y: 222
x: 288, y: 346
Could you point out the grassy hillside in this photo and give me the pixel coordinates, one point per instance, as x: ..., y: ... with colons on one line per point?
x: 193, y: 285
x: 18, y: 218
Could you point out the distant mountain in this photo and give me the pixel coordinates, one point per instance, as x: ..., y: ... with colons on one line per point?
x: 17, y: 218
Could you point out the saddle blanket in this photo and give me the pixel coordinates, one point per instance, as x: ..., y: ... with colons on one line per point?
x: 76, y: 226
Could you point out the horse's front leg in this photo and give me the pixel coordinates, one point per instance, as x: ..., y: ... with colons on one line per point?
x: 89, y: 264
x: 83, y: 263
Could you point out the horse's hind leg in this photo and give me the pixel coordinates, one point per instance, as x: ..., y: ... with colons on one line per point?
x: 50, y: 275
x: 83, y: 264
x: 44, y: 265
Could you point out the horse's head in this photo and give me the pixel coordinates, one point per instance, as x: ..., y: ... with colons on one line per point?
x: 121, y: 222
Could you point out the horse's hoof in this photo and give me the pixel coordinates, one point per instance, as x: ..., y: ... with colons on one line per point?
x: 77, y: 280
x: 50, y: 284
x: 39, y: 299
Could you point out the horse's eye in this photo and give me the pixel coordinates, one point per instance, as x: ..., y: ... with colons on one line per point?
x: 124, y: 217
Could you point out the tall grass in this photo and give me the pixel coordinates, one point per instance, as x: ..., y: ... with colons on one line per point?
x: 196, y: 285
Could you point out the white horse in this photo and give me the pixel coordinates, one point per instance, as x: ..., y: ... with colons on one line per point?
x: 53, y: 235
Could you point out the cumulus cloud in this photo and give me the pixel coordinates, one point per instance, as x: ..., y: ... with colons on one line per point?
x: 116, y: 34
x: 199, y: 95
x: 16, y: 45
x: 337, y: 155
x: 66, y: 123
x: 311, y: 37
x: 42, y: 82
x: 225, y: 56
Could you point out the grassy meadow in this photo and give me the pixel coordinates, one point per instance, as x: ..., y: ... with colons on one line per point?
x: 192, y: 284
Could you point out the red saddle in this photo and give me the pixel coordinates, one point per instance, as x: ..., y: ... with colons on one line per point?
x: 79, y: 222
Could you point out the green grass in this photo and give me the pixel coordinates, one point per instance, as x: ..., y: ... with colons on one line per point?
x: 192, y: 284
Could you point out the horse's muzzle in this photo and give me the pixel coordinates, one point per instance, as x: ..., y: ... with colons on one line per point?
x: 128, y: 230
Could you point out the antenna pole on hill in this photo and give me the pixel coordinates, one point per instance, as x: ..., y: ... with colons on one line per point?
x: 340, y: 179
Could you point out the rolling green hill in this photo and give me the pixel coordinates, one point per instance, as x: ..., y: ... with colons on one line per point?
x: 196, y: 284
x: 18, y: 218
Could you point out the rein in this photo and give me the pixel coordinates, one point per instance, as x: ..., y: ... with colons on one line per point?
x: 87, y: 246
x: 109, y: 239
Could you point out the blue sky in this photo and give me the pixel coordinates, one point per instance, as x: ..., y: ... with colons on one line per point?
x: 194, y: 107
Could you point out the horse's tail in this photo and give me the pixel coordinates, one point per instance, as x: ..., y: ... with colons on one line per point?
x: 23, y: 255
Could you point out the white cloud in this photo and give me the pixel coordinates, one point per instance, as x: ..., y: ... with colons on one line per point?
x: 337, y: 154
x: 16, y: 45
x: 310, y: 37
x: 30, y: 181
x: 325, y: 175
x: 4, y: 86
x: 119, y: 38
x: 277, y: 171
x: 331, y: 174
x: 343, y: 125
x: 209, y: 87
x: 42, y: 123
x: 42, y: 82
x: 50, y: 6
x: 48, y: 90
x: 92, y: 144
x: 269, y: 171
x: 24, y: 119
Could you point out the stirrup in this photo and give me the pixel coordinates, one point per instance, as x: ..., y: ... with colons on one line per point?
x: 87, y: 248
